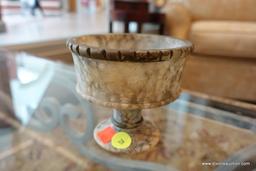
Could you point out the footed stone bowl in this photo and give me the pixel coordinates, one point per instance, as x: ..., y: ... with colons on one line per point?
x: 128, y: 72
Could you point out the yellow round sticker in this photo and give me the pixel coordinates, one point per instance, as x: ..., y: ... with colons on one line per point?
x: 121, y: 140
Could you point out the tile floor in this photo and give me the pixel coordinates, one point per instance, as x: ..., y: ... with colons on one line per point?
x: 27, y: 29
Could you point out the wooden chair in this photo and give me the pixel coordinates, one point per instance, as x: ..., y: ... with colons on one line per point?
x: 128, y: 11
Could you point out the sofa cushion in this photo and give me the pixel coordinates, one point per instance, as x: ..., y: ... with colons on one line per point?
x: 236, y: 10
x: 225, y: 38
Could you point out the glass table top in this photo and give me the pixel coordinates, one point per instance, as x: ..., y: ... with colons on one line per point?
x: 45, y: 125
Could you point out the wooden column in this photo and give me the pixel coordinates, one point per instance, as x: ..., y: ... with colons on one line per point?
x: 72, y: 5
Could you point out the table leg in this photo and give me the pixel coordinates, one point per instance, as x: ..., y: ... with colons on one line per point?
x: 126, y: 26
x: 110, y: 27
x: 139, y: 27
x: 161, y: 29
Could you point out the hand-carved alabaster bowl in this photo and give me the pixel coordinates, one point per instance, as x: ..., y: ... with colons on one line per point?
x: 128, y: 72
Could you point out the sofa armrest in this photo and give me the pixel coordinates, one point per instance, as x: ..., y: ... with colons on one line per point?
x: 178, y: 20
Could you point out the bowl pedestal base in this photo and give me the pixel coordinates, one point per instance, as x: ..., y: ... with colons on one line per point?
x: 126, y: 132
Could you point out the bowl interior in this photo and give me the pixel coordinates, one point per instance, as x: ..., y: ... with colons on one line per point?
x: 130, y: 42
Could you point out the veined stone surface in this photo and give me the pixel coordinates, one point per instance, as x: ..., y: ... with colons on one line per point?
x: 143, y: 77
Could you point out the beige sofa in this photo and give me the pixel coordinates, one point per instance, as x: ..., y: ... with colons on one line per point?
x: 224, y: 35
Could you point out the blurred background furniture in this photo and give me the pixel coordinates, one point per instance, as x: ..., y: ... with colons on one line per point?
x: 138, y: 11
x: 2, y: 25
x: 224, y: 36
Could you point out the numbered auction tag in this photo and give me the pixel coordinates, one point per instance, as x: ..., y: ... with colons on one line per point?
x: 121, y: 140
